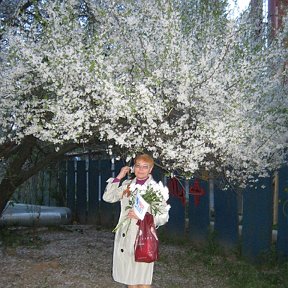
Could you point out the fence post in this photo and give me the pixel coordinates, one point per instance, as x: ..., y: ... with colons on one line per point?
x: 282, y: 234
x: 93, y: 192
x: 226, y: 217
x: 81, y: 193
x: 71, y: 187
x: 62, y: 182
x: 175, y: 228
x: 176, y: 225
x: 199, y: 214
x: 257, y: 220
x: 107, y: 217
x: 118, y: 164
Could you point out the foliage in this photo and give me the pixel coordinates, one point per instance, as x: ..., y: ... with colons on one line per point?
x: 154, y: 194
x: 14, y: 237
x: 243, y: 274
x: 137, y: 76
x: 236, y: 271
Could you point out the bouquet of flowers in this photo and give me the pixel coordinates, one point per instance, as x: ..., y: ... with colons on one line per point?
x: 153, y: 195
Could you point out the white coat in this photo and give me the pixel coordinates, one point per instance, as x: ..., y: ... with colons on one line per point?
x: 125, y: 269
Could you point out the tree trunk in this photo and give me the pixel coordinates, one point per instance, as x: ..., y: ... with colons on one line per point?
x: 6, y: 191
x: 18, y: 170
x: 14, y: 164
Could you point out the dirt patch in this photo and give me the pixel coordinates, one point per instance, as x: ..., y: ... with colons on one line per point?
x: 81, y: 256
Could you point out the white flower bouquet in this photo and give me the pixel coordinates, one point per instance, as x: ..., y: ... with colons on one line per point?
x: 155, y: 195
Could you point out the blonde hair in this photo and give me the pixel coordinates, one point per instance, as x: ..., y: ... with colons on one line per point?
x: 146, y: 158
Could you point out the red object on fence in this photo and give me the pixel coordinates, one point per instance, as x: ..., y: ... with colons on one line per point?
x: 176, y: 190
x: 197, y: 192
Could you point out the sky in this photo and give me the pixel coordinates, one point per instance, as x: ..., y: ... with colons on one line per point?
x: 241, y: 4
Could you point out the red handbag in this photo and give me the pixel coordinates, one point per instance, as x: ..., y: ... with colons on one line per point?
x: 146, y: 243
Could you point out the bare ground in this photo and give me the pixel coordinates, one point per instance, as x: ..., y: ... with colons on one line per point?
x: 81, y: 256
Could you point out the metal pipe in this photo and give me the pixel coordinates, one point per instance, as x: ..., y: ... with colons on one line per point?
x: 16, y: 214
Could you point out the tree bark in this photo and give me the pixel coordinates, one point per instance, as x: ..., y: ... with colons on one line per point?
x: 6, y: 191
x: 18, y: 170
x: 14, y: 166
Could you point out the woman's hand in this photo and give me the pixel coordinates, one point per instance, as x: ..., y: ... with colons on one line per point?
x: 124, y: 170
x: 131, y: 214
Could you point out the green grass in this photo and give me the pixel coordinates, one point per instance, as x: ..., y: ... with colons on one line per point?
x: 14, y: 237
x: 241, y: 273
x: 229, y: 265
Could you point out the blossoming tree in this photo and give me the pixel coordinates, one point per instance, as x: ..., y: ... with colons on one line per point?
x: 197, y: 93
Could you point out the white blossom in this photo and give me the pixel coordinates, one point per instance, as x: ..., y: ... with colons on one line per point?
x: 197, y: 102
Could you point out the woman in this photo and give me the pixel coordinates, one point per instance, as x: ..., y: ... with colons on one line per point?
x: 125, y: 269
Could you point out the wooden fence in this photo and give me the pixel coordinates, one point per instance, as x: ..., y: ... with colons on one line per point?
x: 199, y: 212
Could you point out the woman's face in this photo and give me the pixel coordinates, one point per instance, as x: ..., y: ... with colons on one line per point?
x: 142, y: 169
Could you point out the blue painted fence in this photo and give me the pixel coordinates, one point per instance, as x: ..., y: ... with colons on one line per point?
x: 197, y: 208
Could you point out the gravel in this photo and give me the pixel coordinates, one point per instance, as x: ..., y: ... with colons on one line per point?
x: 81, y: 256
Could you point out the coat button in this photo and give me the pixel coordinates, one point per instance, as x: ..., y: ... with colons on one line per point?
x: 122, y: 250
x: 123, y: 235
